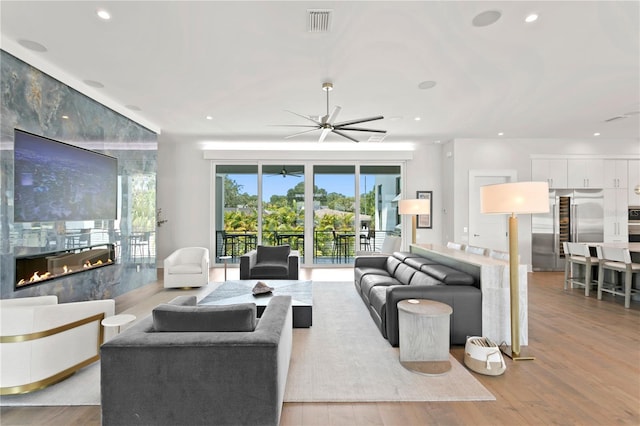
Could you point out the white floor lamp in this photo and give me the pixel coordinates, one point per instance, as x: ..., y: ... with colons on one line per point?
x: 414, y: 207
x: 514, y: 198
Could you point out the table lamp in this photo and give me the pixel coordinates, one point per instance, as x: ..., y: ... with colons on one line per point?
x: 414, y: 207
x: 514, y: 198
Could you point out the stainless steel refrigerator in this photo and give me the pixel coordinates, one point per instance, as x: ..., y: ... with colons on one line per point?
x: 575, y: 215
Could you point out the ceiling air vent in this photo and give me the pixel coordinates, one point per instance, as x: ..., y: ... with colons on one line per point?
x: 609, y: 120
x: 318, y: 20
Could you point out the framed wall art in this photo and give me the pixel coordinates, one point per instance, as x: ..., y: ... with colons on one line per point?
x: 424, y: 220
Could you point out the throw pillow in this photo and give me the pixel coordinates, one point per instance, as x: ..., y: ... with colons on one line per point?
x: 176, y: 318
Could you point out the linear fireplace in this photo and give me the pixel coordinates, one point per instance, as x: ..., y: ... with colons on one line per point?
x: 39, y: 268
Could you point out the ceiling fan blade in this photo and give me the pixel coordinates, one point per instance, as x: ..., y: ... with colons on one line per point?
x: 304, y: 116
x: 334, y: 114
x: 359, y: 129
x: 344, y: 135
x: 324, y: 134
x: 301, y: 133
x: 361, y: 120
x: 292, y: 125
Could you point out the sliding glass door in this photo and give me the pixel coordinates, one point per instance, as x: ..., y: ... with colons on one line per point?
x: 237, y: 210
x: 379, y: 189
x: 333, y: 214
x: 270, y: 204
x: 283, y: 206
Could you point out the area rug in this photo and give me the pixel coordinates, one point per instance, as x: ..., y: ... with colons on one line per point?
x: 83, y: 388
x: 344, y: 358
x: 341, y: 358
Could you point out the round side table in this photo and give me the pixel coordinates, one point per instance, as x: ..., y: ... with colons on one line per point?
x: 118, y: 320
x: 424, y: 336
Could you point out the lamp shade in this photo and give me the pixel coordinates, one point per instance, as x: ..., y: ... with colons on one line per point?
x: 414, y: 206
x: 516, y: 197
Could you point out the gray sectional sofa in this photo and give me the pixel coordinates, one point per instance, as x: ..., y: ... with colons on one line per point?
x: 167, y: 370
x: 383, y: 281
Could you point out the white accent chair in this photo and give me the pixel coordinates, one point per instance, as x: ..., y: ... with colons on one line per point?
x: 455, y: 246
x: 43, y: 342
x: 476, y: 250
x: 500, y: 255
x: 617, y: 261
x: 578, y: 254
x: 187, y: 267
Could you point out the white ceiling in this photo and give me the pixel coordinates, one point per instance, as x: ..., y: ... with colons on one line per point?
x: 245, y: 63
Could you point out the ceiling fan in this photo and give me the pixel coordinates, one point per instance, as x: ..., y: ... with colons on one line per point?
x: 284, y: 173
x: 327, y: 123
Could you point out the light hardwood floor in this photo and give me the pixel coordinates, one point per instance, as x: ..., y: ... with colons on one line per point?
x: 586, y: 372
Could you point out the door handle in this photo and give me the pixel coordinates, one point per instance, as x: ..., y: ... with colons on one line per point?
x: 476, y: 235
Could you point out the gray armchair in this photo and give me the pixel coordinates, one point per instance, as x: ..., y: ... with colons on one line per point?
x: 270, y: 262
x: 168, y: 370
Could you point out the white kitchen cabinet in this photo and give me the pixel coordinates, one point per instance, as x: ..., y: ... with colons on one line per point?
x: 615, y: 173
x: 553, y: 171
x: 616, y: 229
x: 587, y: 173
x: 633, y: 184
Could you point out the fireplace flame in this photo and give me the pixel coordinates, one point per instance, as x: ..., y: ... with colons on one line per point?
x: 36, y: 277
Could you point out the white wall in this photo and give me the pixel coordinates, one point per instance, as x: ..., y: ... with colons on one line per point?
x: 184, y: 183
x: 469, y: 154
x: 424, y: 173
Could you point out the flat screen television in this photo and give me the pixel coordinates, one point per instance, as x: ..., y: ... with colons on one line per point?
x: 55, y: 181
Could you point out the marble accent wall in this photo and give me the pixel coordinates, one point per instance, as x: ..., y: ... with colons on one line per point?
x: 35, y: 102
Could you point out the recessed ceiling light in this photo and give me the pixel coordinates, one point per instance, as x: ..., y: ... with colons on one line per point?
x: 417, y: 118
x: 531, y: 18
x: 133, y: 107
x: 596, y: 134
x: 486, y: 18
x: 103, y: 14
x: 426, y: 85
x: 208, y: 117
x: 32, y: 45
x: 501, y: 134
x: 94, y: 83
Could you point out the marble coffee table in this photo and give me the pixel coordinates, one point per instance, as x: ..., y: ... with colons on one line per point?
x: 239, y: 291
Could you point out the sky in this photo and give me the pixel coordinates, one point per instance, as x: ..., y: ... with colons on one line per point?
x: 342, y: 184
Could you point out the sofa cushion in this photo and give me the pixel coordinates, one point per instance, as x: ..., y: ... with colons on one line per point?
x: 273, y: 254
x: 371, y: 280
x: 185, y: 268
x: 378, y: 300
x: 177, y: 318
x: 417, y: 262
x: 270, y: 270
x: 391, y: 265
x: 448, y: 275
x: 402, y: 256
x: 420, y: 278
x: 361, y: 272
x: 404, y: 273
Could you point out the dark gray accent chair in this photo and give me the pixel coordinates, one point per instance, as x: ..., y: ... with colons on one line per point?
x: 195, y: 377
x: 270, y: 262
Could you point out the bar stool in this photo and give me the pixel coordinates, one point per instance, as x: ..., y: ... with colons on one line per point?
x: 617, y: 260
x: 578, y: 254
